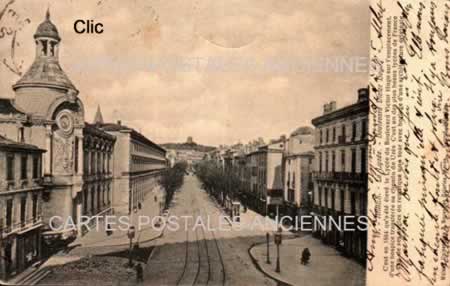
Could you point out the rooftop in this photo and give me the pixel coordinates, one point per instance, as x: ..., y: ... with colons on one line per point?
x: 116, y: 127
x: 47, y: 29
x: 361, y: 106
x: 9, y: 144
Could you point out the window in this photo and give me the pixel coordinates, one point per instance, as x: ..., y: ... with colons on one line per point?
x: 23, y: 167
x: 353, y: 202
x: 327, y: 136
x: 35, y: 201
x: 342, y: 200
x: 92, y: 200
x: 320, y: 197
x: 333, y: 161
x: 44, y: 47
x: 85, y: 201
x: 86, y: 163
x: 320, y: 161
x: 293, y: 180
x: 363, y: 129
x: 326, y: 161
x: 363, y: 205
x: 21, y: 134
x: 35, y: 167
x: 363, y: 161
x: 353, y: 160
x: 10, y: 167
x: 343, y: 160
x: 334, y: 134
x: 23, y: 208
x: 104, y: 162
x: 333, y: 207
x: 291, y: 195
x: 354, y: 131
x: 321, y: 136
x: 9, y: 209
x: 326, y: 198
x: 52, y: 48
x: 99, y: 163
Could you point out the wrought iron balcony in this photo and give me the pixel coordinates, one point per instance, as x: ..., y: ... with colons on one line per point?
x: 341, y: 176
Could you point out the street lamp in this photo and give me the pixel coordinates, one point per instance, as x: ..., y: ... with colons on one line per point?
x: 278, y: 242
x: 131, y: 233
x: 268, y: 253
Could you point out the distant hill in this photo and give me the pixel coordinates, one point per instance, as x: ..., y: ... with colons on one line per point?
x: 188, y: 146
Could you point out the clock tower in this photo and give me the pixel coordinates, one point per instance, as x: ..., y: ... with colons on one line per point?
x: 50, y: 99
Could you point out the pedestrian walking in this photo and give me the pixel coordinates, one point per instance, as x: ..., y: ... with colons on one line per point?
x: 306, y: 254
x: 139, y: 273
x: 108, y: 229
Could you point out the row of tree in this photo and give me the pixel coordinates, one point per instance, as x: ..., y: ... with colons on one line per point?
x: 171, y: 180
x: 217, y: 182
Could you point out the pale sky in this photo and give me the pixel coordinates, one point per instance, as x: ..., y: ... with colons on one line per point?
x: 213, y: 70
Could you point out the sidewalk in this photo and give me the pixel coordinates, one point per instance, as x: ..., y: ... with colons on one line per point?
x: 326, y: 267
x: 89, y: 243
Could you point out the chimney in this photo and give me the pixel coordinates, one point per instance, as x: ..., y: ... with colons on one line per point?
x: 325, y: 108
x: 329, y: 107
x: 363, y: 94
x: 332, y: 106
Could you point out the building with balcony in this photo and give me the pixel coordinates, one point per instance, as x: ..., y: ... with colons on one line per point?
x: 340, y: 177
x: 137, y: 166
x: 297, y: 172
x: 21, y: 199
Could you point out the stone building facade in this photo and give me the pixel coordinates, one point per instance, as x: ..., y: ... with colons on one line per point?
x: 21, y: 202
x: 47, y: 112
x: 340, y: 177
x: 137, y: 166
x: 265, y: 177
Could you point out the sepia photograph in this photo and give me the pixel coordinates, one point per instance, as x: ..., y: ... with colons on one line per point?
x: 207, y: 142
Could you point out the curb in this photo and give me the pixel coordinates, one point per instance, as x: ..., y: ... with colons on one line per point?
x: 260, y: 269
x: 161, y: 233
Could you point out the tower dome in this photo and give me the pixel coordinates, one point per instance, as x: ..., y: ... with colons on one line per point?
x: 47, y: 29
x: 303, y: 130
x: 45, y: 70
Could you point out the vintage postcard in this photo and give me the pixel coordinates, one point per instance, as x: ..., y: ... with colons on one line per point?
x: 239, y: 142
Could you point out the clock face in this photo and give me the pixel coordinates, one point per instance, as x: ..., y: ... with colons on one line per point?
x: 64, y: 120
